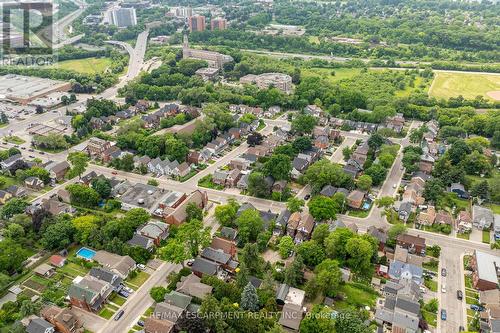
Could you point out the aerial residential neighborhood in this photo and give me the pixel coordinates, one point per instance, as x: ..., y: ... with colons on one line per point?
x: 264, y: 166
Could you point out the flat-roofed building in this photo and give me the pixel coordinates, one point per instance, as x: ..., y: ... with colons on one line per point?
x: 278, y: 80
x: 485, y: 270
x: 24, y: 89
x: 214, y: 59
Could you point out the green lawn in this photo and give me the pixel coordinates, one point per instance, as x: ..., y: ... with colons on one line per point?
x: 463, y: 236
x: 432, y: 265
x: 468, y: 281
x: 356, y: 296
x: 430, y: 317
x: 431, y: 284
x: 14, y: 139
x: 117, y: 299
x: 73, y: 270
x: 86, y: 66
x: 472, y: 294
x: 495, y: 208
x: 486, y: 236
x: 6, y: 181
x: 453, y: 84
x: 359, y: 213
x: 208, y: 183
x: 138, y: 280
x: 106, y: 313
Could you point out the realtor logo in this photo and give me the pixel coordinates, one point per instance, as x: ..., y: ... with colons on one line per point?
x: 26, y: 29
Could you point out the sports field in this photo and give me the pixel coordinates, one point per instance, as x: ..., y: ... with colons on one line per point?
x: 469, y: 85
x: 86, y: 66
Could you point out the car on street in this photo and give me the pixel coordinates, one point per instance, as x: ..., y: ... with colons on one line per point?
x: 114, y: 172
x: 23, y: 148
x: 31, y: 149
x: 307, y: 197
x: 31, y: 156
x: 443, y: 314
x: 443, y: 271
x: 119, y: 315
x: 394, y: 186
x: 460, y: 294
x: 42, y: 153
x: 443, y: 288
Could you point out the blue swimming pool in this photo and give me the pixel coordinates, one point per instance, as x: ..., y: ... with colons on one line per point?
x: 85, y: 253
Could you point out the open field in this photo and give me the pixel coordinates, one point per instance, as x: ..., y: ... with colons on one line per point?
x: 326, y: 73
x: 453, y: 84
x: 87, y: 65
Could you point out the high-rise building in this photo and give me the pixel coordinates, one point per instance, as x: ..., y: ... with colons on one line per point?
x: 218, y: 24
x: 123, y: 17
x: 196, y: 23
x: 184, y: 12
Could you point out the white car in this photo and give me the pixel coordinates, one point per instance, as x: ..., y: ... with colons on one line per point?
x: 141, y: 267
x: 443, y: 288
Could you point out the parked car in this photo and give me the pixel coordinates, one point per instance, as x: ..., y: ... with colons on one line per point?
x: 443, y: 314
x: 478, y: 308
x: 443, y: 288
x: 128, y: 289
x: 307, y: 197
x: 141, y: 267
x: 461, y: 329
x: 114, y: 172
x: 119, y: 315
x: 140, y: 323
x: 443, y: 271
x: 124, y: 293
x: 460, y: 295
x: 190, y: 262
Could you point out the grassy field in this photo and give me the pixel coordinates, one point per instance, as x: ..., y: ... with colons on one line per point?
x: 340, y: 73
x: 87, y: 65
x: 453, y: 84
x: 356, y: 296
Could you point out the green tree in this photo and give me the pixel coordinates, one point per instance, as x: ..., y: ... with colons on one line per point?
x: 226, y: 214
x: 286, y: 246
x: 193, y: 212
x: 12, y: 255
x: 375, y: 141
x: 102, y: 186
x: 328, y: 277
x: 158, y: 293
x: 294, y: 204
x: 85, y: 225
x: 349, y: 321
x: 278, y: 167
x: 377, y: 172
x: 249, y: 298
x: 364, y: 183
x: 395, y: 231
x: 14, y: 231
x: 194, y: 235
x: 322, y: 208
x: 336, y: 242
x: 311, y: 252
x: 385, y: 202
x: 303, y: 124
x: 257, y: 186
x: 323, y: 172
x: 79, y: 162
x: 320, y: 233
x: 175, y: 251
x: 294, y: 274
x: 320, y: 320
x: 250, y: 224
x: 82, y: 195
x: 302, y: 143
x: 58, y: 235
x: 12, y: 207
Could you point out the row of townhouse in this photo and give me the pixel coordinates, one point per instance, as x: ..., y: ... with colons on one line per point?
x: 159, y: 167
x: 153, y: 120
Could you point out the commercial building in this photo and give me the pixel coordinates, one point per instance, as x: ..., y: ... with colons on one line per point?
x: 485, y: 270
x: 266, y: 80
x: 218, y: 24
x: 123, y: 17
x: 24, y: 89
x: 214, y: 59
x: 196, y: 23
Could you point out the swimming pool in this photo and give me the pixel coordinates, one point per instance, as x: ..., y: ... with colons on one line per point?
x: 85, y: 253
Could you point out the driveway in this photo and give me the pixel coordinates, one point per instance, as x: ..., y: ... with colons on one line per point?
x: 90, y: 321
x: 476, y: 235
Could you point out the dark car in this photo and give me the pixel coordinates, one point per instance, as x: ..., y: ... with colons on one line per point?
x: 476, y: 308
x: 443, y: 314
x: 460, y: 295
x: 461, y: 329
x: 140, y: 323
x: 124, y: 293
x: 307, y: 197
x: 119, y: 315
x: 443, y: 271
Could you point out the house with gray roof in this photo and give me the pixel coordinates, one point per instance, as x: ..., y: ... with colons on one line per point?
x: 89, y: 293
x: 328, y: 191
x: 108, y: 276
x: 281, y: 222
x: 191, y: 285
x: 399, y: 269
x: 229, y: 233
x: 39, y: 325
x: 155, y: 230
x: 482, y: 217
x: 401, y: 313
x: 142, y: 242
x: 202, y: 266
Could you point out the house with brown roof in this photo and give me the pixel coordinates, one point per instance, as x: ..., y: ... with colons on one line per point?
x: 414, y: 244
x: 464, y: 222
x: 300, y: 226
x: 63, y: 319
x: 226, y: 245
x: 44, y: 270
x: 427, y: 217
x: 121, y: 265
x: 426, y: 163
x: 57, y: 170
x: 443, y: 217
x: 291, y: 317
x: 155, y: 230
x: 191, y: 285
x: 154, y: 325
x: 178, y: 215
x: 355, y: 199
x: 57, y: 260
x: 361, y: 153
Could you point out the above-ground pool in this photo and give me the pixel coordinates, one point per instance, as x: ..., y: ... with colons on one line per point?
x: 85, y: 253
